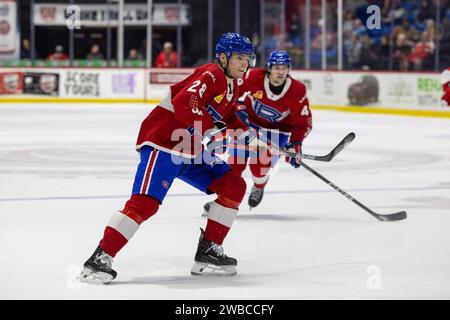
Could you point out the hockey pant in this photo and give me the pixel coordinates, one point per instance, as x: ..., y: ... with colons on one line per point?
x: 155, y: 175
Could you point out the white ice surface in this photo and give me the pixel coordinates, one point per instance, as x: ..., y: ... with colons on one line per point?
x: 64, y: 169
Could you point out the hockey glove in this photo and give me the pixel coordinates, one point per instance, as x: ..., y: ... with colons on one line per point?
x: 215, y: 139
x: 293, y: 147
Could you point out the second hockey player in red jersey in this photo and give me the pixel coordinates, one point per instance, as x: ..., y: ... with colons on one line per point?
x: 276, y: 106
x: 446, y: 88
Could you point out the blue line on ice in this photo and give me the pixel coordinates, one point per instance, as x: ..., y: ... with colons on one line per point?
x: 197, y: 194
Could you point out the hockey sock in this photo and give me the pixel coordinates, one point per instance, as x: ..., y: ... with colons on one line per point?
x: 260, y: 174
x: 230, y: 190
x: 220, y: 219
x: 124, y: 223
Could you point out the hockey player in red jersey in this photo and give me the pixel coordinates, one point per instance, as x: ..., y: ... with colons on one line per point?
x: 276, y: 106
x: 446, y: 88
x: 180, y: 139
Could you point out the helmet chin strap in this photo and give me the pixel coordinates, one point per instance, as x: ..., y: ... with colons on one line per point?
x: 225, y: 69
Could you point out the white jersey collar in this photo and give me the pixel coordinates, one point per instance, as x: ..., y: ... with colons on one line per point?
x: 270, y: 94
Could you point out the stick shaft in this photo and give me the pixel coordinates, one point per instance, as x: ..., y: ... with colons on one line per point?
x: 331, y: 184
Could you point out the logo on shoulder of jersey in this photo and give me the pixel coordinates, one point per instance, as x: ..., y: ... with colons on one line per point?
x: 269, y: 113
x: 219, y: 98
x: 258, y: 94
x: 193, y: 101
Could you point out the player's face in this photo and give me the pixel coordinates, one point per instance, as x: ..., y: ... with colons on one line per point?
x: 278, y: 74
x: 237, y: 65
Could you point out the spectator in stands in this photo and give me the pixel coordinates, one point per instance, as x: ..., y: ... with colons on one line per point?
x: 384, y: 52
x: 25, y: 51
x: 369, y: 55
x: 426, y: 11
x: 398, y: 12
x: 167, y: 58
x: 406, y: 29
x: 401, y: 51
x: 294, y: 29
x: 422, y: 53
x: 133, y: 54
x: 358, y: 28
x: 296, y: 54
x: 256, y: 42
x: 59, y: 54
x: 95, y: 53
x: 444, y: 43
x: 430, y: 28
x: 354, y: 52
x: 347, y: 24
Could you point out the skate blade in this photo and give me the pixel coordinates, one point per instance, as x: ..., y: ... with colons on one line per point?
x: 207, y: 269
x: 91, y: 277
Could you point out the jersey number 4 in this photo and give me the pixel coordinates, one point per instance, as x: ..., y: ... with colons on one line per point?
x: 305, y: 111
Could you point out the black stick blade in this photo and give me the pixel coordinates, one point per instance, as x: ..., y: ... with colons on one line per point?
x: 401, y: 215
x: 349, y: 138
x: 326, y: 158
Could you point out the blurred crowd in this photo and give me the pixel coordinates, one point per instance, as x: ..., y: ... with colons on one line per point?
x: 407, y: 40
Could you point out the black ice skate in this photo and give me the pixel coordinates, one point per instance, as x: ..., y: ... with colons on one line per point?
x: 206, y: 208
x: 210, y: 259
x: 255, y: 197
x: 97, y: 269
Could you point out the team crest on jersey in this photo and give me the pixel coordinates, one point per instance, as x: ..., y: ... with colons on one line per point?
x: 269, y: 113
x: 258, y: 94
x: 219, y: 98
x: 165, y: 184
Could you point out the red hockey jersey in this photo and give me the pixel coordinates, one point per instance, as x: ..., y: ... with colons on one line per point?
x: 288, y: 112
x: 190, y: 109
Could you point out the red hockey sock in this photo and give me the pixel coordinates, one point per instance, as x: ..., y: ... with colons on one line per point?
x: 215, y: 231
x: 112, y: 241
x: 260, y: 174
x: 124, y: 223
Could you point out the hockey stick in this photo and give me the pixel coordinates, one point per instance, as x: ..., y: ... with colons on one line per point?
x: 298, y: 156
x: 382, y: 217
x: 340, y: 146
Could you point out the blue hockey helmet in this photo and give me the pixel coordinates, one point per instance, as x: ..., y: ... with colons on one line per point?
x: 233, y: 42
x: 278, y: 58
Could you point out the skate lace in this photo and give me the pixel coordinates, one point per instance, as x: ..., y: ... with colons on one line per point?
x: 104, y: 259
x: 218, y: 249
